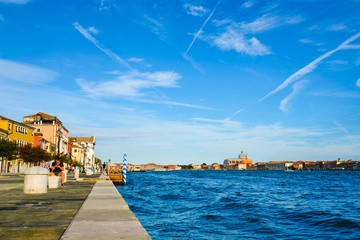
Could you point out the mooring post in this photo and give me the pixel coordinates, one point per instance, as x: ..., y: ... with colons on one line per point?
x: 124, y: 169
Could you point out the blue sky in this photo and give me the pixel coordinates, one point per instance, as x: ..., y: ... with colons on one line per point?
x: 178, y: 82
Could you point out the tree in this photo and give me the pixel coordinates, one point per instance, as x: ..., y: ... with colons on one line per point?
x: 98, y: 161
x: 8, y: 150
x: 32, y: 154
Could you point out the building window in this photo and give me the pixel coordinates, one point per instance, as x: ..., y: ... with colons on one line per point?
x: 9, y: 126
x: 38, y: 130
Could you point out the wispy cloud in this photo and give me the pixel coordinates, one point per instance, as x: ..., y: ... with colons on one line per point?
x: 24, y: 72
x: 237, y: 36
x: 312, y: 66
x: 232, y: 39
x: 155, y: 26
x: 268, y: 22
x: 103, y: 5
x: 137, y: 60
x: 108, y: 52
x: 195, y: 10
x: 336, y: 94
x: 15, y: 1
x: 340, y: 127
x: 248, y: 4
x: 93, y: 30
x: 358, y: 83
x: 337, y: 27
x: 131, y: 84
x: 284, y: 104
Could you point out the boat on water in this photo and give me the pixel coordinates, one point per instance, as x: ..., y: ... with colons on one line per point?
x: 115, y: 174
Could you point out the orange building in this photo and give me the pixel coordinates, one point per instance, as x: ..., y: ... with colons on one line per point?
x: 51, y: 128
x: 231, y: 163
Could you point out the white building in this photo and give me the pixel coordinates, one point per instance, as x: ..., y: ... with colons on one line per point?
x: 278, y: 165
x: 89, y: 148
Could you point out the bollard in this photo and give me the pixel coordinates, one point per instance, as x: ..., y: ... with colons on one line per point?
x: 124, y: 169
x: 54, y: 181
x: 35, y: 181
x: 65, y: 175
x: 76, y: 171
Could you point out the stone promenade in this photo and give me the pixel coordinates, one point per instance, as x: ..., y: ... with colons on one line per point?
x: 103, y: 213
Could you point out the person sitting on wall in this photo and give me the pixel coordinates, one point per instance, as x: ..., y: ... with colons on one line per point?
x: 56, y: 170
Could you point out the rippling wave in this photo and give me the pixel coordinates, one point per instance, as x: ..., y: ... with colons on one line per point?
x: 246, y: 204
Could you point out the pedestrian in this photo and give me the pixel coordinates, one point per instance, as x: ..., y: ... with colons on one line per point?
x: 56, y: 170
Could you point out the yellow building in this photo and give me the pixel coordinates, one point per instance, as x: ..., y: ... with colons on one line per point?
x: 77, y: 151
x: 21, y: 133
x: 15, y: 131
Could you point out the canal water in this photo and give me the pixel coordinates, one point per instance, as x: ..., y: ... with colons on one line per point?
x: 246, y: 204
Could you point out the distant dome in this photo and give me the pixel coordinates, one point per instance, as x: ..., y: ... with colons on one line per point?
x: 242, y: 155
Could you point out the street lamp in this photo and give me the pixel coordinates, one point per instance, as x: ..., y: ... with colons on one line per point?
x: 59, y: 132
x: 83, y: 171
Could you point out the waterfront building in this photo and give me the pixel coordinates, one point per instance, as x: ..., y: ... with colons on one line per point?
x: 52, y: 130
x: 278, y: 165
x: 77, y: 151
x: 215, y: 166
x: 40, y: 141
x: 238, y: 163
x: 195, y: 167
x: 88, y: 144
x: 21, y: 133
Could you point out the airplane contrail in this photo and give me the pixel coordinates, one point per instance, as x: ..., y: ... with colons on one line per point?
x: 311, y: 66
x: 200, y: 30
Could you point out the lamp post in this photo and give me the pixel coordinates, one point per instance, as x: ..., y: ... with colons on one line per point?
x: 83, y: 171
x: 59, y: 132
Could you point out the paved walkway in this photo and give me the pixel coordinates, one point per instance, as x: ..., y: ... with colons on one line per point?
x: 105, y: 215
x: 39, y: 216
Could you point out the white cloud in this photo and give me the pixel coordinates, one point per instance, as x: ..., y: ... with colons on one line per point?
x: 311, y: 66
x: 131, y: 84
x: 219, y: 23
x: 108, y: 52
x: 264, y: 23
x: 305, y: 40
x: 336, y: 94
x: 195, y: 10
x: 338, y: 62
x: 15, y: 1
x: 103, y: 5
x: 268, y: 22
x: 358, y: 83
x: 134, y: 59
x: 234, y: 40
x: 24, y: 72
x: 156, y: 27
x: 337, y: 27
x: 340, y: 127
x: 236, y: 35
x: 284, y: 104
x: 93, y: 30
x: 248, y: 4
